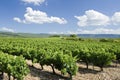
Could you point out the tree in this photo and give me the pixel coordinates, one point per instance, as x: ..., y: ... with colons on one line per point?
x: 73, y: 35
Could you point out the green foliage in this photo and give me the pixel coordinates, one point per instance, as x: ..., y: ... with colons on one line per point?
x: 13, y: 66
x: 66, y: 64
x: 72, y: 38
x: 55, y: 36
x: 75, y: 53
x: 85, y: 56
x: 73, y: 35
x: 101, y: 58
x: 70, y: 65
x: 106, y: 40
x: 59, y: 60
x: 58, y: 53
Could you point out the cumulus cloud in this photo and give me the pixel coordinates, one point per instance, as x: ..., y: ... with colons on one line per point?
x: 39, y: 17
x: 35, y: 2
x: 96, y: 31
x: 93, y: 18
x: 116, y: 18
x: 6, y: 29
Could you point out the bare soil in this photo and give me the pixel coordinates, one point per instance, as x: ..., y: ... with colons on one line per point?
x: 110, y: 73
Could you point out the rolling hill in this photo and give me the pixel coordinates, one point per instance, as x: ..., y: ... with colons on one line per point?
x: 42, y: 35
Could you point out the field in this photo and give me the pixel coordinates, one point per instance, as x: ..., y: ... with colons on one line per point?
x: 59, y: 59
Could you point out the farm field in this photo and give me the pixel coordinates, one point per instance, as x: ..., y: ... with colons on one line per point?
x: 59, y: 58
x: 60, y: 40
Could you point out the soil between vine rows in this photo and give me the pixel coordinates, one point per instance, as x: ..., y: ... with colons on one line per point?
x: 110, y: 73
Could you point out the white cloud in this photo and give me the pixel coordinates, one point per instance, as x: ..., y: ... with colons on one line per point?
x: 71, y: 32
x: 39, y: 17
x: 93, y: 31
x: 56, y: 32
x: 93, y: 18
x: 17, y: 19
x: 35, y: 2
x: 7, y: 29
x: 96, y: 31
x: 116, y: 18
x: 53, y: 32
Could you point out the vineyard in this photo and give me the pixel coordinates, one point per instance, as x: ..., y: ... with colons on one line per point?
x: 62, y: 54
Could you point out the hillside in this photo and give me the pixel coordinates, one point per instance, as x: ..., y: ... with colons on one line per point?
x: 22, y: 35
x: 39, y: 35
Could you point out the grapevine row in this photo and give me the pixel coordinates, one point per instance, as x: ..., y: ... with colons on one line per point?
x: 62, y: 54
x: 13, y: 65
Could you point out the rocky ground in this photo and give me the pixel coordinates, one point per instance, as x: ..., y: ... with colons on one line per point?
x: 110, y: 73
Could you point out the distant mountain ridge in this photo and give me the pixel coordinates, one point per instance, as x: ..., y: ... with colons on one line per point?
x: 99, y: 35
x: 33, y: 35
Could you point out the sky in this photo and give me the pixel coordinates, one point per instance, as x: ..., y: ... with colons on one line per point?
x: 60, y: 16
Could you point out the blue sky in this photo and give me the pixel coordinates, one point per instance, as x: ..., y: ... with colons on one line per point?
x: 60, y: 16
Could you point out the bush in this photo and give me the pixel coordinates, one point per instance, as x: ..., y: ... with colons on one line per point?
x: 101, y: 58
